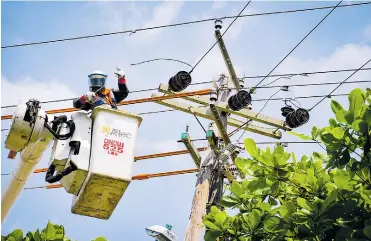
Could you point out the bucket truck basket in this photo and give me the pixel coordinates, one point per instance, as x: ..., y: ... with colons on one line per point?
x: 114, y: 134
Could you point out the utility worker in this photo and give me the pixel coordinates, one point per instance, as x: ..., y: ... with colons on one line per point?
x: 98, y: 94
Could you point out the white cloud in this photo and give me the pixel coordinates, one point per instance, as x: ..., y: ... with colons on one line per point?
x: 26, y: 87
x: 239, y: 25
x: 219, y: 4
x: 164, y: 13
x: 367, y: 33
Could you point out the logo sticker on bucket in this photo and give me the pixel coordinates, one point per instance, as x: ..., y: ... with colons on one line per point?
x: 106, y: 130
x: 113, y: 147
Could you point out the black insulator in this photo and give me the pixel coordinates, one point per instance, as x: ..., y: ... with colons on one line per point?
x: 239, y: 100
x: 180, y: 81
x: 287, y: 110
x: 297, y: 118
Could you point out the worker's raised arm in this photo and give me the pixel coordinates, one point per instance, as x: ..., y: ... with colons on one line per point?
x: 83, y: 102
x: 123, y: 90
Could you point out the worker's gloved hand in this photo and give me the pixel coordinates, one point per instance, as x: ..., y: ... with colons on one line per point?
x: 119, y: 73
x: 90, y: 97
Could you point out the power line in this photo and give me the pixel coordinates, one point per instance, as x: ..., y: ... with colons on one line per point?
x: 341, y: 84
x: 302, y: 73
x: 313, y: 84
x: 180, y: 152
x: 300, y: 42
x: 257, y: 100
x: 136, y: 177
x: 167, y: 59
x: 247, y: 77
x: 199, y: 61
x: 183, y: 23
x: 131, y: 102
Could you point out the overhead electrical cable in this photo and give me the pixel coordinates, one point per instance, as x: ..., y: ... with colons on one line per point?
x: 7, y: 117
x: 297, y: 45
x: 181, y: 24
x: 340, y: 84
x: 130, y: 102
x: 260, y: 87
x: 136, y: 177
x: 167, y: 59
x: 179, y: 152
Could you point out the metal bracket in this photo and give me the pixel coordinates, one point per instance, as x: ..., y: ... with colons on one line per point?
x: 223, y: 106
x: 174, y: 104
x: 191, y: 148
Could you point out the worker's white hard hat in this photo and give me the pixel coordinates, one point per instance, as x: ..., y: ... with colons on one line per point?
x: 97, y: 80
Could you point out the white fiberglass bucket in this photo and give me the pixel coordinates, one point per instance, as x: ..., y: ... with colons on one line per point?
x: 111, y: 162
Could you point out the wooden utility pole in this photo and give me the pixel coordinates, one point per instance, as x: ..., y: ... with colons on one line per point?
x: 215, y: 166
x: 209, y: 180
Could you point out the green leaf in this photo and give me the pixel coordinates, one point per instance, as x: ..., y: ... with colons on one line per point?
x: 256, y: 184
x: 211, y: 235
x: 367, y: 231
x: 214, y: 210
x: 344, y: 233
x: 332, y: 122
x: 341, y: 179
x: 220, y: 218
x: 345, y: 158
x: 275, y: 187
x: 100, y: 239
x: 11, y: 239
x: 293, y: 158
x: 304, y: 204
x: 338, y: 132
x: 360, y: 126
x: 211, y: 225
x: 330, y: 199
x: 236, y: 188
x: 314, y: 132
x: 228, y: 201
x: 17, y: 234
x: 265, y: 159
x: 301, y: 136
x: 242, y: 164
x: 50, y: 231
x: 251, y: 148
x: 272, y: 201
x: 349, y: 118
x: 59, y: 232
x: 367, y: 116
x: 318, y: 156
x: 37, y: 236
x: 271, y: 223
x: 338, y: 110
x: 356, y: 99
x: 287, y: 209
x: 252, y: 219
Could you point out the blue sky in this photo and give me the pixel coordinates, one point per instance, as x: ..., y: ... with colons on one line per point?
x: 255, y: 44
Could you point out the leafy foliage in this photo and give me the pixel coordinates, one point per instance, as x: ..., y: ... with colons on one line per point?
x: 52, y: 232
x: 319, y: 197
